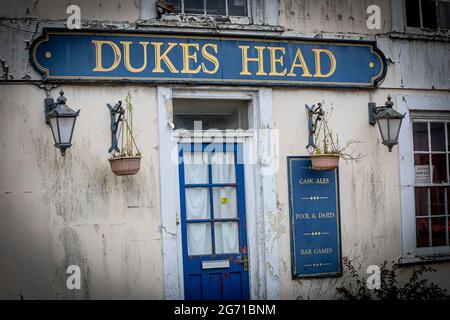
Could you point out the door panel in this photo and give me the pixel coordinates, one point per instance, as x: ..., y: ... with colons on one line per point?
x: 212, y: 201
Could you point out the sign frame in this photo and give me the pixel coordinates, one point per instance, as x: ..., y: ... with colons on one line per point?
x: 294, y: 274
x: 374, y: 82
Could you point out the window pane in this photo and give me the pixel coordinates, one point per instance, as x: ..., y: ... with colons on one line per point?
x: 225, y: 202
x: 420, y: 132
x: 197, y: 203
x: 437, y: 200
x: 226, y: 237
x: 216, y: 7
x: 439, y: 168
x: 176, y: 5
x: 422, y: 232
x: 438, y: 231
x: 199, y: 238
x: 448, y: 136
x: 412, y: 13
x: 437, y: 136
x: 223, y: 168
x: 193, y: 6
x: 237, y: 7
x: 422, y: 168
x: 429, y: 18
x: 421, y: 197
x: 195, y: 167
x: 444, y: 15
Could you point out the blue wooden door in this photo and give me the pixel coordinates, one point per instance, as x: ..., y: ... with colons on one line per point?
x: 212, y: 198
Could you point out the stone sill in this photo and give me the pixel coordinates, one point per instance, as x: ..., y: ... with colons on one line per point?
x: 420, y: 260
x: 421, y: 36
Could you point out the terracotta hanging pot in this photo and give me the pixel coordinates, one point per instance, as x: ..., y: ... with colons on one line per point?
x: 125, y: 166
x: 325, y: 161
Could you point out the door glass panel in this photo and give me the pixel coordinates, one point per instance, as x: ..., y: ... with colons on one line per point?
x: 226, y: 237
x: 223, y: 168
x: 225, y: 202
x: 199, y: 238
x: 197, y: 203
x: 195, y: 167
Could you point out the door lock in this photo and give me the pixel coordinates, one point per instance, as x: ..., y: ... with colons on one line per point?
x: 244, y: 261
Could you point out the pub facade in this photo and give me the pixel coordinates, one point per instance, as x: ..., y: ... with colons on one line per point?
x: 165, y: 149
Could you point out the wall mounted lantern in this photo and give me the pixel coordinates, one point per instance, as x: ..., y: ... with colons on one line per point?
x: 62, y: 121
x: 389, y: 122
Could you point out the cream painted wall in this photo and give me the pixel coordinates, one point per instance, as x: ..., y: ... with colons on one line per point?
x: 369, y: 188
x: 100, y: 10
x: 57, y: 211
x: 333, y: 16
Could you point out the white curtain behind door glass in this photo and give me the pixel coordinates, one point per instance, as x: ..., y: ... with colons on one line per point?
x: 225, y: 202
x: 223, y: 167
x: 226, y: 237
x: 197, y: 203
x: 199, y: 238
x: 195, y: 167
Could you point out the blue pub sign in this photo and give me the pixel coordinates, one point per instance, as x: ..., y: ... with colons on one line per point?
x: 314, y: 220
x: 62, y: 55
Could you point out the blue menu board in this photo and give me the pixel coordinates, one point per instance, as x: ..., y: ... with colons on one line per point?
x: 314, y: 219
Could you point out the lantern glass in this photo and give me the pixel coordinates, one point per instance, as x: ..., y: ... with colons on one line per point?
x: 383, y: 125
x: 394, y: 129
x: 66, y: 125
x: 62, y: 129
x: 54, y: 126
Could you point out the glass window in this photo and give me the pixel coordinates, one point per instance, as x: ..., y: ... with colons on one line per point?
x: 432, y: 185
x: 428, y: 14
x: 210, y: 7
x: 199, y: 114
x: 211, y: 199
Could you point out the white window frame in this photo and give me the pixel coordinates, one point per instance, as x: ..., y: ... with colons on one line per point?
x: 421, y: 29
x: 206, y: 14
x: 260, y: 192
x: 407, y: 104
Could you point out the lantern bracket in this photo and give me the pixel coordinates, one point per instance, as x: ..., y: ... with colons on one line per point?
x: 49, y: 105
x: 374, y: 111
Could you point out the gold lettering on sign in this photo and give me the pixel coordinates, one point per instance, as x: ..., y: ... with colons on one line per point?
x: 210, y: 57
x: 126, y: 51
x: 163, y: 57
x: 332, y: 58
x: 300, y: 64
x: 246, y: 59
x: 187, y: 57
x: 98, y: 55
x: 274, y: 61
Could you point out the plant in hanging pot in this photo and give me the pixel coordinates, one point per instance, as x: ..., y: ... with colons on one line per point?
x: 124, y: 160
x: 325, y: 150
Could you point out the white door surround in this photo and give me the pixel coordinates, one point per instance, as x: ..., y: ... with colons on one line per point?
x: 260, y: 186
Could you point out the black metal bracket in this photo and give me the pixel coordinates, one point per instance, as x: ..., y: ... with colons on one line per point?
x: 117, y: 112
x: 49, y: 105
x: 312, y: 123
x: 374, y: 111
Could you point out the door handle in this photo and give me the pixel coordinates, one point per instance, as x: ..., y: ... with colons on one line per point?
x: 244, y: 261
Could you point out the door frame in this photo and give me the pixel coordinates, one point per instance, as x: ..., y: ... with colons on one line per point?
x: 260, y: 188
